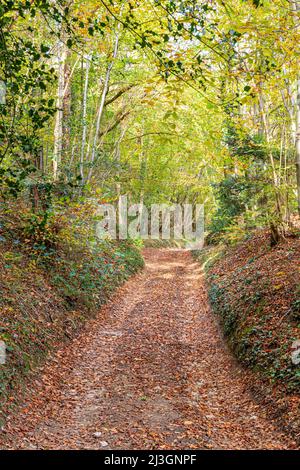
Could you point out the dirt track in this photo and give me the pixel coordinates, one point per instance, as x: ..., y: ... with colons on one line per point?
x: 152, y: 371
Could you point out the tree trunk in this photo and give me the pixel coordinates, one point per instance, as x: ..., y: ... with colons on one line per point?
x: 102, y: 105
x: 66, y: 106
x: 84, y: 116
x: 266, y: 131
x: 295, y: 6
x: 298, y: 143
x: 58, y: 131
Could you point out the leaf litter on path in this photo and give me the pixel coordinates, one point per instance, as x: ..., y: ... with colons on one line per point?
x: 150, y: 372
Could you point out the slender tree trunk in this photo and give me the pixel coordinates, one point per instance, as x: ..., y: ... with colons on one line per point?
x: 295, y: 7
x: 117, y: 156
x: 298, y: 143
x: 66, y: 107
x: 102, y: 105
x: 290, y: 108
x: 58, y: 131
x: 143, y: 169
x: 266, y: 130
x: 276, y: 228
x: 84, y: 116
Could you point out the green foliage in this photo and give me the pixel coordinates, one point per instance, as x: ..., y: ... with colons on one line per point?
x: 52, y: 281
x: 259, y: 321
x: 26, y: 75
x: 166, y: 101
x: 221, y: 305
x: 89, y: 278
x: 295, y: 310
x: 244, y: 197
x: 231, y: 194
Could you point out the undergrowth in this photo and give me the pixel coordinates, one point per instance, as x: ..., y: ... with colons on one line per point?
x: 255, y: 290
x: 54, y: 275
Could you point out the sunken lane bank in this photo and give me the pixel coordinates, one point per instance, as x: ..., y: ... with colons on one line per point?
x: 255, y: 291
x: 45, y: 300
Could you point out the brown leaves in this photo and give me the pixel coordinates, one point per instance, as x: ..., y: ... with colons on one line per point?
x: 150, y: 372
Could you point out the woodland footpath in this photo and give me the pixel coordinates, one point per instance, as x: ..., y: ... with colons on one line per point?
x: 151, y: 371
x: 164, y: 102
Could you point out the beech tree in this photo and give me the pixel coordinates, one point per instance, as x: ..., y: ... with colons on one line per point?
x: 163, y: 99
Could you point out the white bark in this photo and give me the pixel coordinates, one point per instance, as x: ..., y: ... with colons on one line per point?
x: 58, y: 130
x: 84, y: 116
x: 102, y: 105
x: 295, y: 6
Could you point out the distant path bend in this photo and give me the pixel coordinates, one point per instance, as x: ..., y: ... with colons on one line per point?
x: 151, y: 371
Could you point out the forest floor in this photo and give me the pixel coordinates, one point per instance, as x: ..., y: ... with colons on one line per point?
x: 152, y: 371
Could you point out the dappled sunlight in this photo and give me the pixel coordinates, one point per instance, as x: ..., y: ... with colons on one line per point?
x: 149, y: 225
